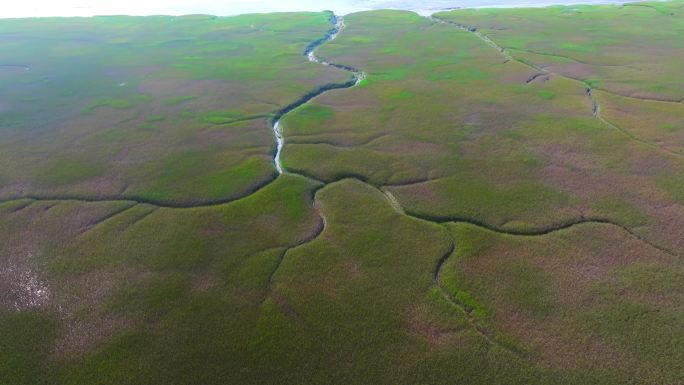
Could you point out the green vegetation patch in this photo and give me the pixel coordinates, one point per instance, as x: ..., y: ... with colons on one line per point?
x: 102, y: 99
x: 222, y: 117
x: 190, y: 171
x: 118, y: 103
x: 26, y: 346
x: 673, y: 183
x: 651, y: 277
x: 68, y: 171
x: 176, y: 100
x: 257, y: 277
x: 546, y: 94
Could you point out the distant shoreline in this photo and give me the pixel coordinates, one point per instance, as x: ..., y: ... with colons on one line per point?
x: 340, y: 9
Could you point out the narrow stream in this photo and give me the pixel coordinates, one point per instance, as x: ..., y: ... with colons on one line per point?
x: 595, y: 108
x: 280, y: 141
x: 14, y: 67
x: 357, y: 76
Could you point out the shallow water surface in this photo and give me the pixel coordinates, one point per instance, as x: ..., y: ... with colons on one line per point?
x: 42, y: 8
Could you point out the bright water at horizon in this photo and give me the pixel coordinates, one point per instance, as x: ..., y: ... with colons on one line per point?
x: 44, y: 8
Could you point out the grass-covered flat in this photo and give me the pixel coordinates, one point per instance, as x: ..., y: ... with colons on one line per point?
x: 170, y: 110
x: 463, y: 215
x: 590, y: 301
x: 455, y: 130
x: 633, y: 50
x: 630, y: 55
x: 108, y: 286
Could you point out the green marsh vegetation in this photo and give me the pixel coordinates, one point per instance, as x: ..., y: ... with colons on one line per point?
x: 482, y: 142
x: 142, y: 97
x: 611, y: 47
x: 457, y: 217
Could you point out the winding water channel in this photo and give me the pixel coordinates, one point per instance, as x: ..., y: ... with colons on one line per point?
x: 357, y: 76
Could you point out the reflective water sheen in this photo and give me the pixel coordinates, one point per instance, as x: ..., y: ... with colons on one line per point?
x: 40, y: 8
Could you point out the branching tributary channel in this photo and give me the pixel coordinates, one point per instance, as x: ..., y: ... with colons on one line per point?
x: 595, y: 107
x: 357, y: 76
